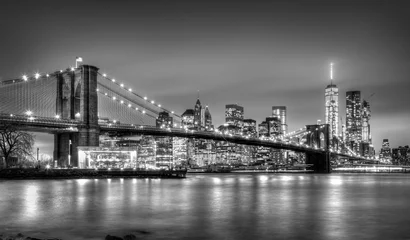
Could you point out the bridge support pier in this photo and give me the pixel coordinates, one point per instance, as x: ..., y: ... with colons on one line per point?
x: 77, y: 100
x: 320, y: 161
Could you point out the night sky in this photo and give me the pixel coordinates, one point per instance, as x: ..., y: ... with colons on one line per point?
x: 256, y: 54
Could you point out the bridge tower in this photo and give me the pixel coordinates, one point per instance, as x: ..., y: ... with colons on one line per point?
x: 318, y: 137
x: 76, y: 100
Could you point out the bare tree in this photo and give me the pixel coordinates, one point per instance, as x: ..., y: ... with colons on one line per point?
x: 14, y: 143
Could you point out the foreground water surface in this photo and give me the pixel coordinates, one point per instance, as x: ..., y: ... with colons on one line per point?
x: 211, y: 206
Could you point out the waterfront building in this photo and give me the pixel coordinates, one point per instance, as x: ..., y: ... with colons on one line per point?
x: 146, y: 152
x: 332, y: 106
x: 279, y: 112
x: 385, y: 152
x: 401, y: 155
x: 234, y: 115
x: 353, y: 120
x: 180, y: 151
x: 164, y: 148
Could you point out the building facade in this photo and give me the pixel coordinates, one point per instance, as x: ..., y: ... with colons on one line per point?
x: 332, y: 109
x: 164, y: 144
x: 279, y: 112
x: 353, y: 120
x: 234, y: 115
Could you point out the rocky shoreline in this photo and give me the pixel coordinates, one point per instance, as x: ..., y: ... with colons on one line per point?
x: 20, y: 236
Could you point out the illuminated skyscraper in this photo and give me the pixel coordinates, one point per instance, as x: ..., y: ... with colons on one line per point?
x: 234, y: 115
x: 199, y: 114
x: 208, y: 119
x: 188, y: 118
x: 249, y: 128
x: 366, y: 134
x: 263, y: 129
x: 332, y: 106
x: 274, y: 126
x: 385, y: 152
x: 353, y: 120
x: 279, y: 112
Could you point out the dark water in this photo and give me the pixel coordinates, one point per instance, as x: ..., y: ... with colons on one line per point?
x: 211, y: 206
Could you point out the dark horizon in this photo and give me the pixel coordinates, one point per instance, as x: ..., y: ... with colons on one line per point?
x: 258, y: 55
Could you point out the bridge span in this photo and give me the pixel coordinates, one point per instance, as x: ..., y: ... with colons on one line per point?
x: 71, y: 105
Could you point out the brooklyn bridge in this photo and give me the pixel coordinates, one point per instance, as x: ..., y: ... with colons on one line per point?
x: 77, y: 105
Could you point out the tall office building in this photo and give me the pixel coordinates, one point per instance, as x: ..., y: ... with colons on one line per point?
x: 385, y: 152
x: 366, y: 134
x: 199, y: 114
x: 274, y: 126
x: 353, y: 120
x: 263, y: 129
x: 249, y: 128
x: 188, y: 118
x: 234, y: 115
x: 279, y: 112
x: 332, y: 106
x: 208, y: 119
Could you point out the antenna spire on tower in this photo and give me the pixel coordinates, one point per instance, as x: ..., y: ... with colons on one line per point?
x: 198, y: 94
x: 331, y: 72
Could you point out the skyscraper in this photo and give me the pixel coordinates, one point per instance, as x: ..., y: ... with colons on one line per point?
x: 279, y: 112
x: 332, y: 106
x: 208, y: 119
x: 249, y: 128
x: 353, y: 120
x: 234, y: 115
x: 263, y: 129
x: 366, y: 134
x: 385, y: 152
x: 274, y: 126
x: 188, y: 118
x: 199, y: 114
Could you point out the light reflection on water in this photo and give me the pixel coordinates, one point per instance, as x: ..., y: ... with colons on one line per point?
x: 212, y: 206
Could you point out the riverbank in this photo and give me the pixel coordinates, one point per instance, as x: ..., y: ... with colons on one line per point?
x: 20, y: 236
x: 31, y: 173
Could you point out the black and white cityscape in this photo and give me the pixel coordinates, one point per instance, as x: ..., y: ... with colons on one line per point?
x: 204, y: 120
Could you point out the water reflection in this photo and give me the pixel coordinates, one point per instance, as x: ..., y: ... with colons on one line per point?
x: 212, y: 206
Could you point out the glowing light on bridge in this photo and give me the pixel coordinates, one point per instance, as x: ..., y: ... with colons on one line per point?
x: 37, y: 75
x: 113, y: 80
x: 57, y: 116
x: 104, y: 75
x: 25, y: 77
x: 29, y: 113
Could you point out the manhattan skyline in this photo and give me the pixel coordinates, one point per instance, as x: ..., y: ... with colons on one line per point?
x: 256, y: 55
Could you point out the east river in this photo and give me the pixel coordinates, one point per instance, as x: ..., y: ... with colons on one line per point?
x: 211, y: 206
